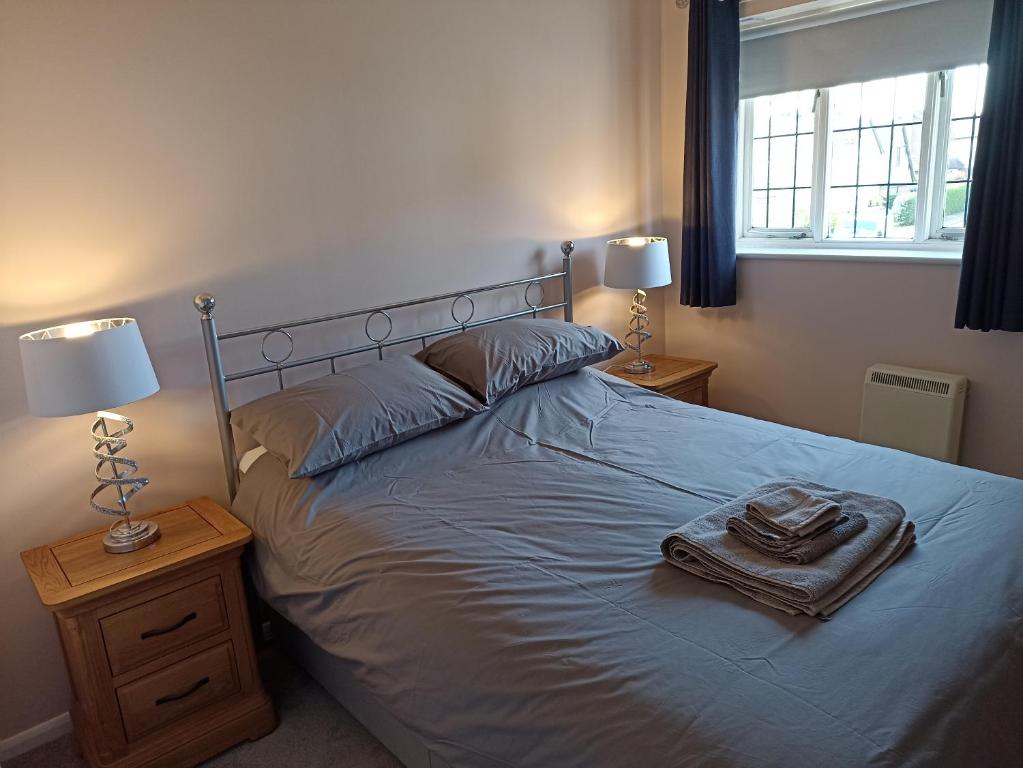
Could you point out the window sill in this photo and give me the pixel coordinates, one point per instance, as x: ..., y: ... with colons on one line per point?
x: 949, y: 255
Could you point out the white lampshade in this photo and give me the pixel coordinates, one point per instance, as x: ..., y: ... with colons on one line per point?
x: 637, y: 262
x: 84, y: 367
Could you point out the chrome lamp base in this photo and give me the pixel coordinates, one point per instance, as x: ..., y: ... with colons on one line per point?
x: 639, y: 365
x: 638, y: 333
x: 118, y: 473
x: 130, y: 535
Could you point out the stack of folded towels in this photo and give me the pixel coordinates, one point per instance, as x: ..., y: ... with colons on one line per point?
x: 794, y: 545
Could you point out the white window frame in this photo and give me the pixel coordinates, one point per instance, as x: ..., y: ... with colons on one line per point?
x: 765, y: 233
x: 939, y: 231
x: 930, y: 235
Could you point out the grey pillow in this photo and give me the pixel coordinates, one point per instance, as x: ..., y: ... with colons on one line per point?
x: 495, y: 360
x: 321, y: 424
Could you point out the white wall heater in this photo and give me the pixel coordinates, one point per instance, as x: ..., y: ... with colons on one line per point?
x: 913, y: 410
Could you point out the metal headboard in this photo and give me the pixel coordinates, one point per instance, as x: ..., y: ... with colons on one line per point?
x: 205, y: 304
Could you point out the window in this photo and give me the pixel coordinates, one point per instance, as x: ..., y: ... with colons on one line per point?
x: 782, y: 178
x: 875, y: 158
x: 886, y: 162
x: 964, y: 103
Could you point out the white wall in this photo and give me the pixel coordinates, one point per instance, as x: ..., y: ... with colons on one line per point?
x: 294, y: 158
x: 796, y: 347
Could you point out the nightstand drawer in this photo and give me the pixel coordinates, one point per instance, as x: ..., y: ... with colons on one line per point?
x: 177, y: 691
x: 687, y: 393
x: 151, y: 629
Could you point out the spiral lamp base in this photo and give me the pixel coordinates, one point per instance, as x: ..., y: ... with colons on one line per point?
x: 638, y: 333
x: 116, y: 474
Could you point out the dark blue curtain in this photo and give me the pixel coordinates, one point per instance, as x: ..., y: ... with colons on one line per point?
x: 708, y: 183
x: 991, y: 282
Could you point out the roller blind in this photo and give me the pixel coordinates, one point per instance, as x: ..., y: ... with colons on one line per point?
x: 921, y: 38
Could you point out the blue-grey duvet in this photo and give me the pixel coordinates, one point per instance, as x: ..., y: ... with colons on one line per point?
x: 498, y: 586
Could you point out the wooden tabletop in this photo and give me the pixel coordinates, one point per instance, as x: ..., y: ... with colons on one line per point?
x: 78, y: 568
x: 668, y: 371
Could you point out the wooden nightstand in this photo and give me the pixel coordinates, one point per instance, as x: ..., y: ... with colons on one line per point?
x: 677, y: 377
x: 157, y: 642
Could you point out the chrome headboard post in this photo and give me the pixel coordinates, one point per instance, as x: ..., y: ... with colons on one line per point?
x: 566, y: 266
x: 205, y: 303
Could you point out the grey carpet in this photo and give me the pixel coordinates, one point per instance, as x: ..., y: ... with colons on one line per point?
x: 314, y: 732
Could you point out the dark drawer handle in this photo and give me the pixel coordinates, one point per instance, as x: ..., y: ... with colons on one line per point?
x: 167, y: 630
x: 183, y: 694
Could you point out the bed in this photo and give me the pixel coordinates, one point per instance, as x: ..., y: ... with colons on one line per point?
x: 492, y: 593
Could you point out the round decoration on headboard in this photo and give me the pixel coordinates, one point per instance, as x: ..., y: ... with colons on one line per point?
x: 454, y: 306
x: 539, y: 301
x: 278, y: 360
x: 390, y: 327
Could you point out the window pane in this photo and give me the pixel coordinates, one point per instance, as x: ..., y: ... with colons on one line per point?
x: 910, y: 95
x: 905, y: 151
x: 958, y: 165
x: 843, y: 157
x: 876, y: 130
x: 842, y: 212
x: 871, y: 212
x: 968, y: 90
x: 783, y: 113
x: 783, y: 162
x: 981, y: 86
x: 782, y: 149
x: 805, y: 101
x: 845, y: 106
x: 878, y: 101
x: 955, y: 205
x: 761, y: 116
x: 759, y: 161
x: 780, y: 210
x: 901, y: 213
x: 802, y: 211
x: 758, y: 210
x: 804, y: 161
x: 875, y: 144
x: 967, y: 93
x: 961, y: 127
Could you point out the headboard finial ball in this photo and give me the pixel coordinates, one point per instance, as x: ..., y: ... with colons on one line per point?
x: 204, y: 302
x: 567, y: 247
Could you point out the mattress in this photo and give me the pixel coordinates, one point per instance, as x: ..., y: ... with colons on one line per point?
x: 497, y: 585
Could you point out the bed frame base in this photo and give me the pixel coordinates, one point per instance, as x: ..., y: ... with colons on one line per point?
x: 339, y: 682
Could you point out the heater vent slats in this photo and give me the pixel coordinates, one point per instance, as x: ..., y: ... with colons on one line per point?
x: 891, y: 379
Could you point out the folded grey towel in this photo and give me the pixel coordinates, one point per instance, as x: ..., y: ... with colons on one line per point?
x: 754, y: 528
x: 705, y: 548
x: 792, y: 510
x: 801, y: 549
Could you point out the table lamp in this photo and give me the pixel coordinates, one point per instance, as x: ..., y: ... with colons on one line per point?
x: 83, y: 367
x: 637, y: 263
